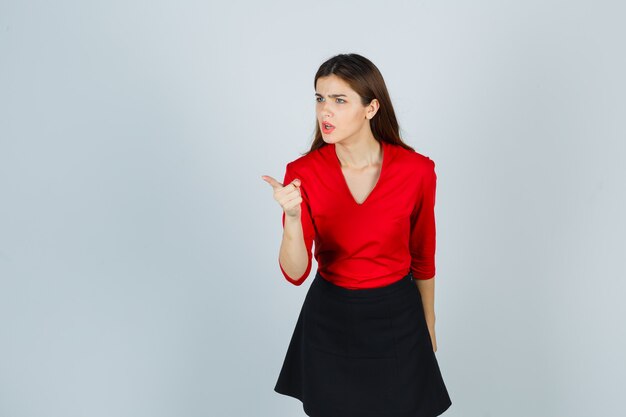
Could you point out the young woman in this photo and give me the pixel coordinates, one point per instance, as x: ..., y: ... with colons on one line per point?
x: 364, y: 342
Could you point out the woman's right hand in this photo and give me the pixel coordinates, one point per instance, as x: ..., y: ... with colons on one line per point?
x: 287, y: 196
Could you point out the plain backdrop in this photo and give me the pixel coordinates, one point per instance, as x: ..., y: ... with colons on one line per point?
x: 139, y: 245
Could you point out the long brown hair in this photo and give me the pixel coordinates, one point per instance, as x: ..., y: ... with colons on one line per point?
x: 366, y: 80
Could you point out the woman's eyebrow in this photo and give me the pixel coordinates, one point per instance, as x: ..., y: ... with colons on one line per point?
x: 332, y: 95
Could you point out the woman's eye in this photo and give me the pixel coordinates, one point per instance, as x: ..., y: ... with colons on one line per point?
x: 319, y: 100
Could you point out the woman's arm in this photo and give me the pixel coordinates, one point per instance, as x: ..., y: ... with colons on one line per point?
x: 427, y: 291
x: 293, y: 256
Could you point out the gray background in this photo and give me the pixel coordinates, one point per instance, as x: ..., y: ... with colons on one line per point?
x: 139, y: 245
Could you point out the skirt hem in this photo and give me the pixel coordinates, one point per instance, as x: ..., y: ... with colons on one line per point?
x: 311, y: 412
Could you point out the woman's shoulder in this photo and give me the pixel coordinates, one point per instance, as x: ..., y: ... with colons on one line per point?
x: 309, y: 160
x: 412, y: 160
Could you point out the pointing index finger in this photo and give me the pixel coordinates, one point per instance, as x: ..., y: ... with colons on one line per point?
x: 271, y: 181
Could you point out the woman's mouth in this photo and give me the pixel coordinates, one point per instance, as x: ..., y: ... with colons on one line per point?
x: 327, y: 127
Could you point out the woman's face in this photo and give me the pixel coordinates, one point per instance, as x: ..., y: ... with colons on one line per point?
x: 339, y: 105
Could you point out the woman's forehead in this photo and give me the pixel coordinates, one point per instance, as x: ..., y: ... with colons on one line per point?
x: 333, y: 86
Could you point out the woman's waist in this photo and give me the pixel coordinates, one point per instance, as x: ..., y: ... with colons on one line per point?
x: 364, y: 286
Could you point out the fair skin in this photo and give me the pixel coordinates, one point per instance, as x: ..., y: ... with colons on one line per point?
x: 360, y: 156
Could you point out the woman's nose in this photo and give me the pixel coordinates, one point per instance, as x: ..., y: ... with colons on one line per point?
x: 326, y: 110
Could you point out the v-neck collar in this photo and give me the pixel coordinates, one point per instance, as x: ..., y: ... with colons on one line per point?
x: 337, y: 163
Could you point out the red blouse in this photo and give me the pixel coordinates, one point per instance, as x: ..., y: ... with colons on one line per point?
x: 375, y: 243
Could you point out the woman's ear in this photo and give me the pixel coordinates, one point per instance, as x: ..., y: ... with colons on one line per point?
x: 373, y: 108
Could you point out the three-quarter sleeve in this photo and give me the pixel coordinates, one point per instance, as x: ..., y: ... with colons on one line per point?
x: 308, y: 230
x: 423, y: 231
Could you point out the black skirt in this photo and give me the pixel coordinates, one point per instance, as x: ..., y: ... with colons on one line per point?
x: 363, y: 353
